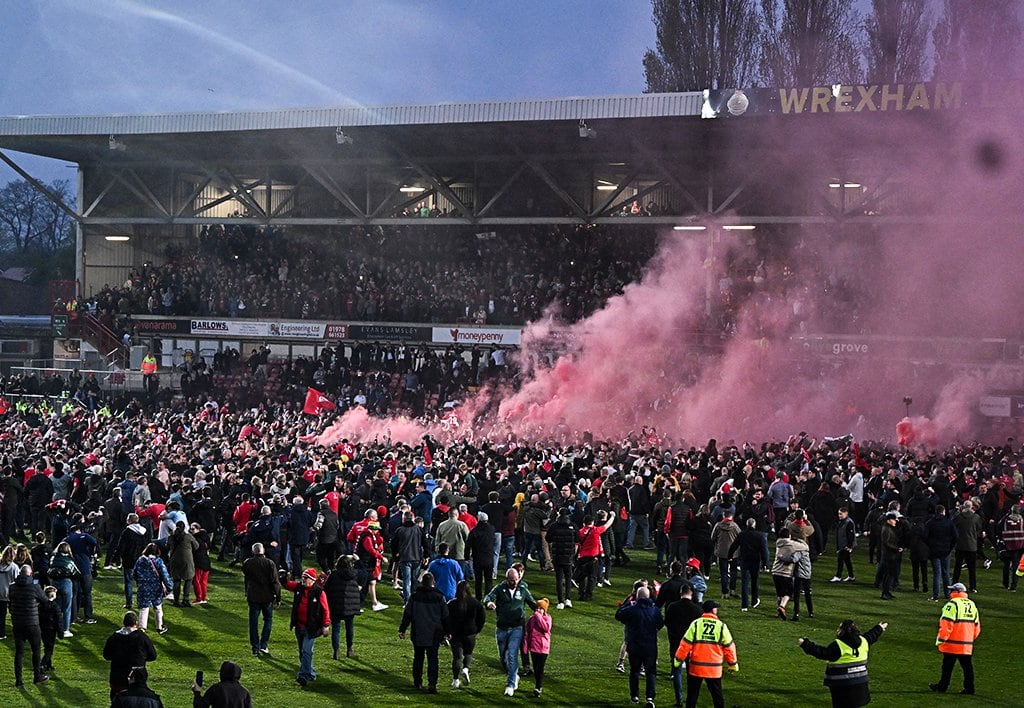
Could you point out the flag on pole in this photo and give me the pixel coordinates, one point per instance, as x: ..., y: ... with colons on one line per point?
x: 316, y: 402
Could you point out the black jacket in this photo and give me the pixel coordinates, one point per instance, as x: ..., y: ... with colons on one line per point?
x: 562, y: 541
x: 132, y: 543
x: 678, y: 617
x: 125, y: 649
x: 227, y: 693
x: 261, y: 581
x: 342, y: 590
x: 136, y: 696
x: 25, y: 599
x: 427, y: 612
x: 466, y: 619
x: 480, y: 543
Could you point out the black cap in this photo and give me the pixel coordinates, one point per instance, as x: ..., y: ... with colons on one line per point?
x: 709, y: 605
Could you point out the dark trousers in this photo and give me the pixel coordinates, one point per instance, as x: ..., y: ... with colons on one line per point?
x: 327, y: 555
x: 462, y: 653
x: 563, y: 575
x: 482, y: 578
x: 417, y: 665
x: 585, y: 577
x: 3, y: 617
x: 649, y: 663
x: 843, y: 559
x: 49, y: 642
x: 887, y: 571
x: 33, y: 636
x: 971, y: 559
x: 920, y: 573
x: 804, y: 585
x: 948, y: 660
x: 693, y: 690
x: 539, y: 660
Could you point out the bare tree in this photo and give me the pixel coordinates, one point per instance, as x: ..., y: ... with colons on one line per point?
x: 896, y: 33
x: 810, y: 42
x: 30, y: 222
x: 978, y: 40
x: 702, y: 44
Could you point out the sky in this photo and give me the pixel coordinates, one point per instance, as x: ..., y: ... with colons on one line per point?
x: 69, y: 57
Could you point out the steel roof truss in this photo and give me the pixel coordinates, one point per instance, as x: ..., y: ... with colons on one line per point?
x: 557, y: 188
x: 502, y: 191
x: 324, y: 178
x: 140, y: 189
x: 99, y: 197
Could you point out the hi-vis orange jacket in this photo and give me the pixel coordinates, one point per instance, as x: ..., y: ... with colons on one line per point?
x: 959, y: 625
x: 706, y: 643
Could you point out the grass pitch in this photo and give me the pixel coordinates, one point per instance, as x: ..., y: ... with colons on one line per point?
x: 581, y: 668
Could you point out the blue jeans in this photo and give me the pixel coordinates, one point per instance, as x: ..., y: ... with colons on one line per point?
x: 638, y: 522
x: 63, y: 586
x: 508, y: 543
x: 509, y: 641
x: 129, y: 583
x: 83, y: 595
x: 662, y: 548
x: 940, y: 576
x: 350, y: 632
x: 678, y: 548
x: 677, y: 680
x: 306, y: 670
x: 407, y: 571
x: 497, y: 554
x: 256, y: 639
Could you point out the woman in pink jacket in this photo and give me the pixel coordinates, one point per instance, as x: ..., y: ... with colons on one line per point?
x: 537, y: 640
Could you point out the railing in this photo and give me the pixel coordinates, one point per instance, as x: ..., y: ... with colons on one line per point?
x: 89, y: 328
x: 109, y: 380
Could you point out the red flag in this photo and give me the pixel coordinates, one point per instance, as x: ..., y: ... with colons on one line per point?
x: 428, y: 457
x: 316, y: 402
x: 807, y: 455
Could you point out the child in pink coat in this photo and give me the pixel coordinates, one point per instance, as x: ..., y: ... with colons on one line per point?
x: 537, y: 640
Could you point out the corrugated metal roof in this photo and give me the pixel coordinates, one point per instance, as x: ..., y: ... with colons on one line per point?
x: 650, y: 105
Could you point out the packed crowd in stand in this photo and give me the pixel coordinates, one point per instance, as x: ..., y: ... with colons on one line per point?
x: 160, y: 493
x: 397, y: 275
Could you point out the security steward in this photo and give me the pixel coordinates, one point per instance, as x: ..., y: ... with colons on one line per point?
x: 959, y: 626
x: 846, y: 673
x: 705, y: 646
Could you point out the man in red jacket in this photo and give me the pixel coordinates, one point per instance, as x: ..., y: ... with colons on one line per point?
x: 311, y: 618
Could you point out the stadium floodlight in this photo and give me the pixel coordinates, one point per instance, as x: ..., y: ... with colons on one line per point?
x: 606, y: 186
x: 117, y: 238
x: 586, y: 131
x: 739, y: 227
x: 341, y: 137
x: 410, y: 189
x: 844, y: 185
x: 689, y: 227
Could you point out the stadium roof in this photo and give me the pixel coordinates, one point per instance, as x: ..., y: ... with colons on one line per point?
x: 570, y: 160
